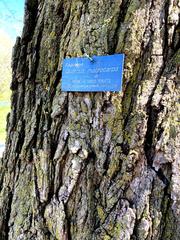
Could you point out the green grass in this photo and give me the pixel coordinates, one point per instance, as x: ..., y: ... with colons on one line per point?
x: 4, y: 110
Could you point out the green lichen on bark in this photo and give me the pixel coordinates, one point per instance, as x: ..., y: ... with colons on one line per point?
x: 93, y: 165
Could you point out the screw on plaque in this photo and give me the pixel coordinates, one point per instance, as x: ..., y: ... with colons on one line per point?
x: 90, y: 58
x: 86, y: 55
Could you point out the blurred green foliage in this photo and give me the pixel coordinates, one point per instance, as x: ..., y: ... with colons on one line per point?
x: 5, y: 79
x: 3, y: 113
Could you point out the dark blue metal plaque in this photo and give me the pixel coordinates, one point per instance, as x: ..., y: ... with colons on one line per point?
x: 104, y: 73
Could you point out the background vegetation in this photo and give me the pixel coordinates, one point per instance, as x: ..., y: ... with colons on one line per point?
x: 5, y: 78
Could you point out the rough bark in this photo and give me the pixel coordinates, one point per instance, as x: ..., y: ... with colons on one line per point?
x: 93, y: 165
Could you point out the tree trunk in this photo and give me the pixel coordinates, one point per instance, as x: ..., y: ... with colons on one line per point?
x: 93, y: 165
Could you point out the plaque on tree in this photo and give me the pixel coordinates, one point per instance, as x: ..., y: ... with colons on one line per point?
x: 99, y: 74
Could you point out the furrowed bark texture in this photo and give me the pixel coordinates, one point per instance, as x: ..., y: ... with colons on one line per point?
x: 93, y: 165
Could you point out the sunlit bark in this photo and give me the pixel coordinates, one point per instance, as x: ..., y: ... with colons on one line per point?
x: 93, y: 165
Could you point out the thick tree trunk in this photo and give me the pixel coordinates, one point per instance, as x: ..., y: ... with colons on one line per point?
x: 93, y: 165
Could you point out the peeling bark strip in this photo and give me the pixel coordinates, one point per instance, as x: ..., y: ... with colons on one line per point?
x: 93, y: 165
